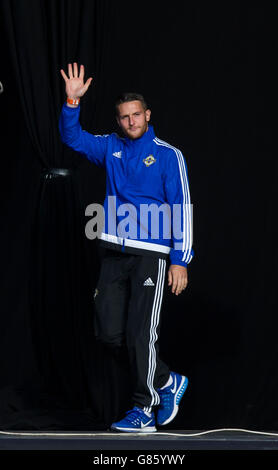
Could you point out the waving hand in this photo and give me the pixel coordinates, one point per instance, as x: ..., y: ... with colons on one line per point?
x: 75, y: 86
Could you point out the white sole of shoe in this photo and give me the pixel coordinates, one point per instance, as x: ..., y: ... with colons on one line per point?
x: 141, y: 430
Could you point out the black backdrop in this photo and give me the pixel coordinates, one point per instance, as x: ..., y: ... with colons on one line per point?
x: 210, y: 77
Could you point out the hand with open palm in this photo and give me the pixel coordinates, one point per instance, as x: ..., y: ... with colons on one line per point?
x: 75, y: 87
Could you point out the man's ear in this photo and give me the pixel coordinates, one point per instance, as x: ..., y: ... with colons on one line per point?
x: 148, y: 115
x: 117, y: 119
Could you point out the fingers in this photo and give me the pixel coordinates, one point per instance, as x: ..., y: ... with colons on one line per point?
x: 178, y: 282
x: 174, y: 283
x: 88, y: 83
x: 70, y: 71
x: 73, y: 72
x: 178, y: 286
x: 181, y: 286
x: 64, y: 75
x: 170, y: 278
x: 82, y: 71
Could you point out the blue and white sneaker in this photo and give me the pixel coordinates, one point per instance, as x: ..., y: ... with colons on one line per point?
x: 170, y: 397
x: 136, y: 420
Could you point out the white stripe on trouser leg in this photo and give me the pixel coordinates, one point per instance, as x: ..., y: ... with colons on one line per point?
x: 153, y: 334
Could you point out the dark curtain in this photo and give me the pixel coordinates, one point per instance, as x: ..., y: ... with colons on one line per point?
x: 210, y: 77
x: 63, y: 383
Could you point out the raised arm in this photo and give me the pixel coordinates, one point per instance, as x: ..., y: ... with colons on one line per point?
x: 94, y: 147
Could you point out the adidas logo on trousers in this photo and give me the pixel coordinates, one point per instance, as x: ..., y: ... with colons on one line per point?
x: 148, y: 282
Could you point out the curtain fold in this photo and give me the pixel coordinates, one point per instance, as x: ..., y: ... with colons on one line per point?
x: 69, y: 386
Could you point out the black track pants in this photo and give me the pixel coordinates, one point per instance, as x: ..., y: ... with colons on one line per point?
x: 128, y: 302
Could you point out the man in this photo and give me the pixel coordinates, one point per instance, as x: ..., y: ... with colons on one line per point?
x: 143, y: 173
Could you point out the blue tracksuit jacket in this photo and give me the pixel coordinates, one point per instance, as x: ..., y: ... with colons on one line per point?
x: 147, y: 205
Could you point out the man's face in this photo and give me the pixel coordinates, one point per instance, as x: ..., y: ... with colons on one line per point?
x: 133, y: 119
